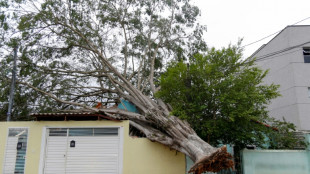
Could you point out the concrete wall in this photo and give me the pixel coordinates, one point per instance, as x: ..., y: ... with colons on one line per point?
x: 140, y: 156
x: 276, y: 162
x: 289, y: 71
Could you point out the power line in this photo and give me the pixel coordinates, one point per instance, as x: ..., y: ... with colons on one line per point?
x: 261, y: 39
x: 274, y: 56
x: 263, y: 57
x: 273, y: 33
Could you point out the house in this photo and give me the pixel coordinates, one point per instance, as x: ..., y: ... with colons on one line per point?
x: 287, y: 57
x: 74, y: 143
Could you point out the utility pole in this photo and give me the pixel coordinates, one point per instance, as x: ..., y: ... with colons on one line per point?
x: 12, y: 90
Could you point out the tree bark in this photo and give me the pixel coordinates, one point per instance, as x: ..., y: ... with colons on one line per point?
x: 178, y: 134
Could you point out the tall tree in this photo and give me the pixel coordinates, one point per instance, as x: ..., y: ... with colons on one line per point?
x: 90, y: 51
x: 221, y: 95
x: 224, y: 99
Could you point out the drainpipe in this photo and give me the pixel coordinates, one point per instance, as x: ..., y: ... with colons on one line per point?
x: 12, y: 90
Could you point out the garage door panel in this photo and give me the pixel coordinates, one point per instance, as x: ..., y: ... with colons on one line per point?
x: 85, y: 151
x: 103, y: 162
x: 91, y: 172
x: 55, y: 155
x: 91, y: 154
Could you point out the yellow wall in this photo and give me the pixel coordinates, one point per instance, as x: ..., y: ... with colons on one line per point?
x: 140, y: 156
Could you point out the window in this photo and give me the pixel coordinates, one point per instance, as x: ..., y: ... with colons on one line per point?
x: 15, y: 154
x: 309, y: 92
x: 58, y: 132
x: 306, y: 53
x: 105, y: 131
x: 83, y: 131
x: 80, y: 132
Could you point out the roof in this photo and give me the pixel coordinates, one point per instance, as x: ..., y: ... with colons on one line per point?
x: 278, y: 33
x: 261, y: 47
x: 65, y: 116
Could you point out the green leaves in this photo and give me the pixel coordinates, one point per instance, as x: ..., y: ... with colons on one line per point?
x: 60, y: 41
x: 220, y: 95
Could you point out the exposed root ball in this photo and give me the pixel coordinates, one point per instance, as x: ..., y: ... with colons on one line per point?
x: 219, y: 160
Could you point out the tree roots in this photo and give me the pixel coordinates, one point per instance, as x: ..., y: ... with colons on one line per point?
x: 219, y: 160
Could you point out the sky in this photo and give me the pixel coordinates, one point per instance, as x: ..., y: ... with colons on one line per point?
x: 229, y: 20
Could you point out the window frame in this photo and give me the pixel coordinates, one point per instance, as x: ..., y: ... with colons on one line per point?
x: 6, y: 147
x: 306, y: 54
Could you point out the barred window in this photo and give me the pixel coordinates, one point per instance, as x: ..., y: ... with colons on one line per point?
x: 306, y: 52
x: 15, y: 154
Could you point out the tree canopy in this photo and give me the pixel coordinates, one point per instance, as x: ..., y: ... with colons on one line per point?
x: 225, y: 100
x: 60, y: 41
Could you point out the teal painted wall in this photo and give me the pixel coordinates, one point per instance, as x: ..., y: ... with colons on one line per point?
x: 126, y: 105
x: 276, y: 161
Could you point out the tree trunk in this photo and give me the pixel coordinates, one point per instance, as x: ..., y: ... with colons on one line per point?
x: 159, y: 126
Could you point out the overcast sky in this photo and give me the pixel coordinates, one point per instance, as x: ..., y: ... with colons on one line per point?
x: 228, y: 20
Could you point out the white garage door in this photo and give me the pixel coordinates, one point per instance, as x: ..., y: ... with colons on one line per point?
x: 82, y: 151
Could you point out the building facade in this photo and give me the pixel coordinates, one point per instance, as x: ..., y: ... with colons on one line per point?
x: 72, y: 147
x: 287, y: 57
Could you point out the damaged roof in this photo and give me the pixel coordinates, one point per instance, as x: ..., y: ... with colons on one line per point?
x: 65, y: 116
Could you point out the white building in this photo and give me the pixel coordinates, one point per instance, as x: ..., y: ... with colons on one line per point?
x: 287, y: 56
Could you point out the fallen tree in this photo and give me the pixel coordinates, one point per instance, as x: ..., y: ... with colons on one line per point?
x: 81, y: 52
x: 155, y: 122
